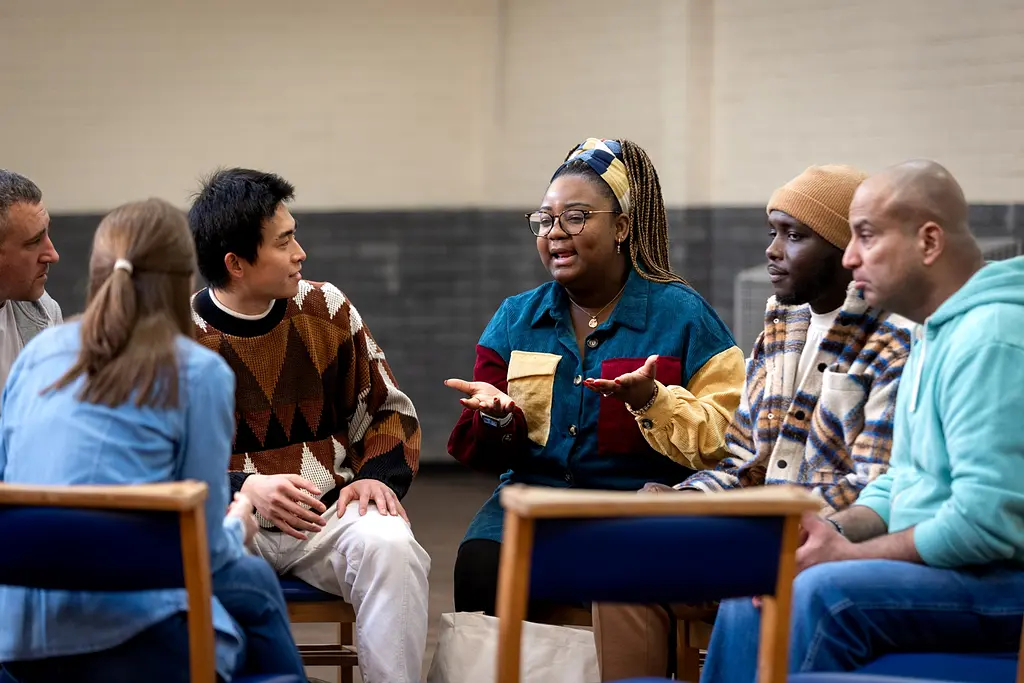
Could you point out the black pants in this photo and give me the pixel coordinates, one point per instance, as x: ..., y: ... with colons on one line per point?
x: 476, y: 581
x: 476, y: 576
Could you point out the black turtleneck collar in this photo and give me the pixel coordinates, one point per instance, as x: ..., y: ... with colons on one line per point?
x: 209, y: 311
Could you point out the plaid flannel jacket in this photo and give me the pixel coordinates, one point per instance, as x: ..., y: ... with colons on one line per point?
x: 833, y: 433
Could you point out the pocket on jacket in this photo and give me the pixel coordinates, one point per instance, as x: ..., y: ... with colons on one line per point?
x: 531, y: 382
x: 843, y: 396
x: 617, y: 430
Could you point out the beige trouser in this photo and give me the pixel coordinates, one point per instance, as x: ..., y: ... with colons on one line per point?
x: 632, y: 640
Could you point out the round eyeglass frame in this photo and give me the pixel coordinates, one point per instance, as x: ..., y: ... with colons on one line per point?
x: 540, y: 232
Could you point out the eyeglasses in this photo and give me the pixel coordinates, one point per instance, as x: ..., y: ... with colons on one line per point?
x: 572, y: 221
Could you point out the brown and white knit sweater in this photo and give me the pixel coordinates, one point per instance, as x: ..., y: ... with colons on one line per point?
x: 314, y: 394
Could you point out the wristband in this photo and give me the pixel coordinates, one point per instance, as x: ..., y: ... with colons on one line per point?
x: 640, y: 411
x: 495, y: 422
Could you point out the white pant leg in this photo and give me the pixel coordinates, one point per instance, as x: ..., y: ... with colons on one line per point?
x: 272, y: 547
x: 375, y: 563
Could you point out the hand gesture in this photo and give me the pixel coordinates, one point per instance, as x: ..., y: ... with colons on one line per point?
x: 241, y: 508
x: 483, y: 397
x: 280, y: 499
x: 634, y: 388
x: 365, y: 490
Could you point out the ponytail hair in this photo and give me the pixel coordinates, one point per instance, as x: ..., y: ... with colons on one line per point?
x: 140, y: 280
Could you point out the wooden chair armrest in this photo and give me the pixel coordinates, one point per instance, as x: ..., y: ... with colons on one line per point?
x: 544, y: 502
x: 170, y: 496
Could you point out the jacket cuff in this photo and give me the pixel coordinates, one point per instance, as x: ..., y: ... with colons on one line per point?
x: 661, y: 412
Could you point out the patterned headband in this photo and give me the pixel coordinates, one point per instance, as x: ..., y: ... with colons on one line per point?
x: 605, y: 158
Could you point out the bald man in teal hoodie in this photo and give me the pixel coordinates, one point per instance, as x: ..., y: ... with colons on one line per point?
x: 930, y: 558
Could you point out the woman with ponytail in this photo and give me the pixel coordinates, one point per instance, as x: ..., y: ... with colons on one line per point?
x: 124, y: 396
x: 614, y: 374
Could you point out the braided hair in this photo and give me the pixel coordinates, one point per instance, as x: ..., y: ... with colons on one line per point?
x: 648, y: 221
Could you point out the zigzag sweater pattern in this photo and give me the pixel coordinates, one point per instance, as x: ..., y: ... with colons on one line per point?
x: 314, y: 393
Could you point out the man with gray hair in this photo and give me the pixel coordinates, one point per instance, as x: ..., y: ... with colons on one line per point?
x: 26, y: 253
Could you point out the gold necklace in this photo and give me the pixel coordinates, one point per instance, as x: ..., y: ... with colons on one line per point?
x: 593, y: 318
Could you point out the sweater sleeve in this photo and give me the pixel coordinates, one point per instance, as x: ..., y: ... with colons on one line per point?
x: 473, y: 442
x: 383, y: 436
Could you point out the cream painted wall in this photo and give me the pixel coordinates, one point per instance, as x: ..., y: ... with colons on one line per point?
x: 448, y: 103
x: 573, y: 69
x: 360, y: 104
x: 868, y: 82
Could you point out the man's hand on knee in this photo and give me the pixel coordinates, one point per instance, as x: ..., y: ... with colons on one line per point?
x: 280, y: 499
x: 365, y: 490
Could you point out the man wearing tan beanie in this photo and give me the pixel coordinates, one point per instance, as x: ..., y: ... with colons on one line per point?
x: 818, y: 404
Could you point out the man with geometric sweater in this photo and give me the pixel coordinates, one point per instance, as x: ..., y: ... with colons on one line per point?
x: 326, y: 445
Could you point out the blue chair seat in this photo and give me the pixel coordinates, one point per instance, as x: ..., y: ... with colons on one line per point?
x: 848, y: 677
x: 905, y: 668
x: 913, y: 668
x: 299, y: 591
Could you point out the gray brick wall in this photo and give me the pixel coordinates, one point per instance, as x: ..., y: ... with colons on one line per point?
x: 428, y: 282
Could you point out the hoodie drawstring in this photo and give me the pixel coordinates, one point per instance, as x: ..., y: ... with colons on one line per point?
x: 919, y: 369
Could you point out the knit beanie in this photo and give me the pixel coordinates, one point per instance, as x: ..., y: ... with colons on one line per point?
x: 820, y: 199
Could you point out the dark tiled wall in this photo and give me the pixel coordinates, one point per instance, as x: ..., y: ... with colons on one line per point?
x: 427, y: 282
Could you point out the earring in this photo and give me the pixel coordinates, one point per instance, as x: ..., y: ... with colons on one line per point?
x: 618, y: 247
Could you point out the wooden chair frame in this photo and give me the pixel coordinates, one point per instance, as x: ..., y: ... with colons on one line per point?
x: 184, y: 497
x: 343, y: 654
x: 524, y: 505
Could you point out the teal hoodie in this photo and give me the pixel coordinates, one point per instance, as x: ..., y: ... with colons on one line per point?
x: 956, y: 472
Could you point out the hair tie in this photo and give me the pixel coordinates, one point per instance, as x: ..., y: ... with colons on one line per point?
x: 125, y: 265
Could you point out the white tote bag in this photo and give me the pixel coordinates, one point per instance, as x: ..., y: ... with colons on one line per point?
x: 467, y: 652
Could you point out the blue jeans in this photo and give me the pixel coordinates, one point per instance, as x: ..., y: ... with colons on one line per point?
x: 846, y: 614
x: 251, y: 593
x: 249, y: 590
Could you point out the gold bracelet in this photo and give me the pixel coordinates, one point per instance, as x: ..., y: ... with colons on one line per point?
x: 647, y: 407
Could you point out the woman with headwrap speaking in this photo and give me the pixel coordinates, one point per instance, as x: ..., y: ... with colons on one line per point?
x: 614, y: 374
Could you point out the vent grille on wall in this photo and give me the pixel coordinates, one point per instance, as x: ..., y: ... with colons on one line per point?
x: 752, y: 289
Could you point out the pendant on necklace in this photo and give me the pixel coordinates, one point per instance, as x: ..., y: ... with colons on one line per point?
x: 592, y: 323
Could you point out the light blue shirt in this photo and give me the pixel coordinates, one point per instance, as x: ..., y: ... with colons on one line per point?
x: 50, y: 437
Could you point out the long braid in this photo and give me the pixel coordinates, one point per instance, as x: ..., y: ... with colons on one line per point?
x: 648, y: 239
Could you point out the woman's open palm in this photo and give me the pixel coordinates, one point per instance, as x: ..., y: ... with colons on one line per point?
x: 483, y: 397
